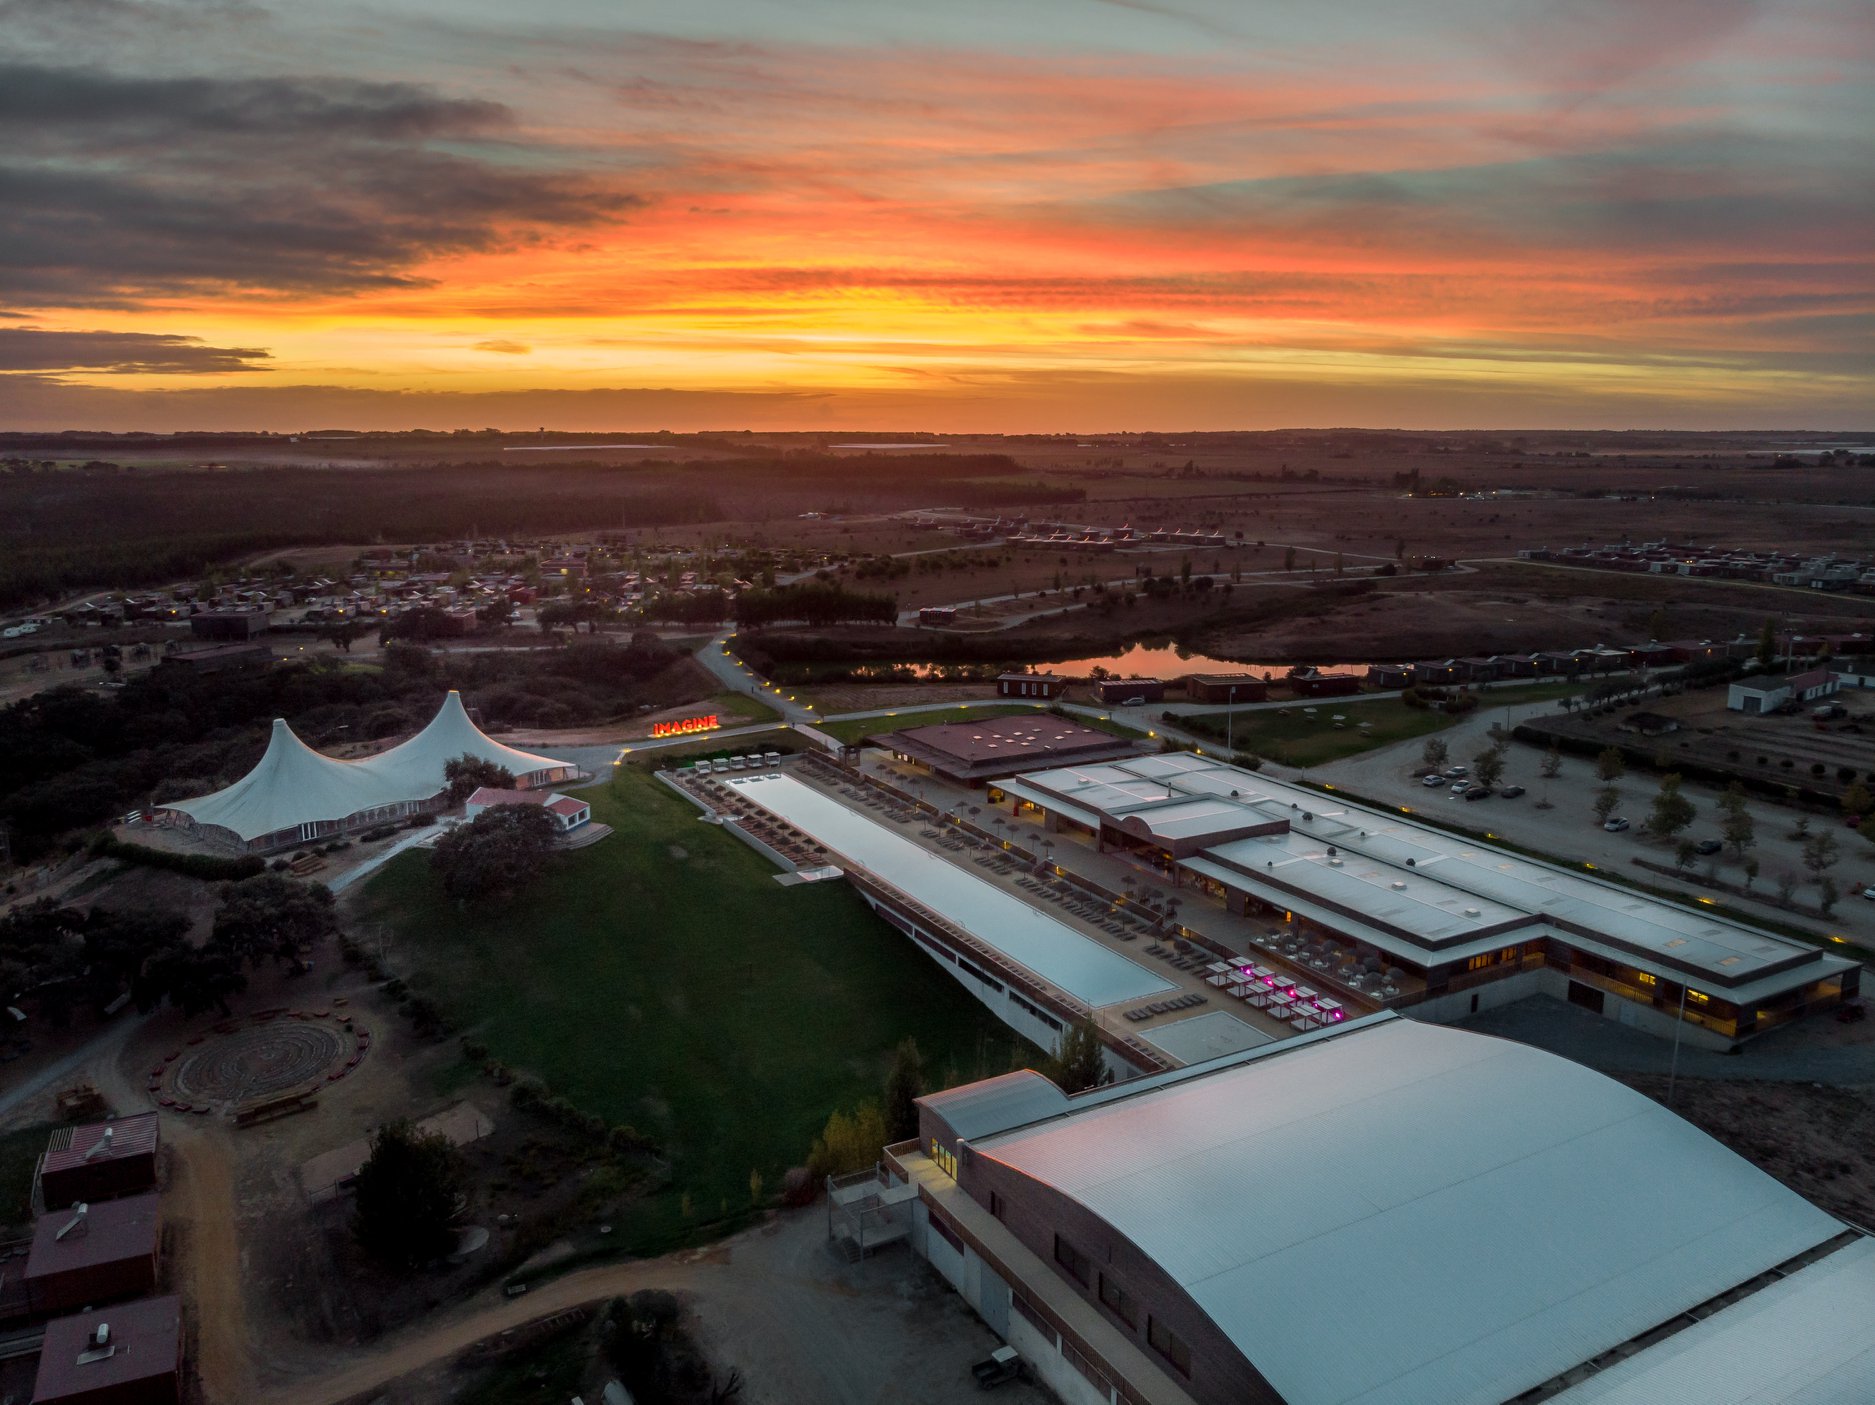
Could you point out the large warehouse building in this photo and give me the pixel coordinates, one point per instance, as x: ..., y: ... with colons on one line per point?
x: 295, y: 795
x: 1385, y: 1212
x: 1465, y: 924
x: 970, y: 753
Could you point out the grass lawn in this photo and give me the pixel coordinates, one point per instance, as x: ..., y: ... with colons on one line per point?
x: 662, y: 979
x: 856, y: 728
x: 739, y: 708
x: 1301, y: 740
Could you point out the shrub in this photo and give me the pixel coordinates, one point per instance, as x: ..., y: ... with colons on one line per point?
x: 211, y: 868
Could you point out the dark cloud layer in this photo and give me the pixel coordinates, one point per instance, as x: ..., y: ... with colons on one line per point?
x: 39, y: 350
x: 114, y: 188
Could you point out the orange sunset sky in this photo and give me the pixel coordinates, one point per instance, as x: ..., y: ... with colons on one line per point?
x: 1054, y: 215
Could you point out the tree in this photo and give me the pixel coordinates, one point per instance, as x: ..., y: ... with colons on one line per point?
x: 1827, y: 895
x: 1751, y: 873
x: 1552, y: 764
x: 193, y: 979
x: 1735, y: 826
x: 1605, y: 801
x: 1767, y: 644
x: 1672, y: 811
x: 1856, y: 799
x: 1289, y: 559
x: 1610, y: 766
x: 272, y: 917
x: 1079, y: 1062
x: 1435, y: 752
x: 408, y: 1195
x: 1657, y: 623
x: 849, y: 1144
x: 496, y: 854
x: 1684, y: 853
x: 1786, y: 886
x: 464, y: 775
x: 497, y: 613
x: 904, y: 1084
x: 342, y: 635
x: 1488, y: 765
x: 1819, y: 853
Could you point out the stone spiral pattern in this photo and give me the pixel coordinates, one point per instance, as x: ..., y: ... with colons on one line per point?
x: 260, y: 1061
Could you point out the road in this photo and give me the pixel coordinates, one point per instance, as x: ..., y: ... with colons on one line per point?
x: 1568, y: 831
x: 800, y: 1323
x: 738, y: 677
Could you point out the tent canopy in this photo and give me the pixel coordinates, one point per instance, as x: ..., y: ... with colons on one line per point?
x: 293, y: 785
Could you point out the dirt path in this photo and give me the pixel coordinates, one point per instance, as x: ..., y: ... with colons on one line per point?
x: 435, y: 1342
x: 200, y: 1207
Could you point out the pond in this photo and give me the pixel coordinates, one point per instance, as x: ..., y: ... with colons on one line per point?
x: 1166, y: 661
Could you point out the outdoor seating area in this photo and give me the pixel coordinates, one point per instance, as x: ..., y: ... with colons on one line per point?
x: 1109, y: 917
x: 1367, y: 975
x: 1277, y: 995
x: 733, y: 809
x: 1140, y: 1013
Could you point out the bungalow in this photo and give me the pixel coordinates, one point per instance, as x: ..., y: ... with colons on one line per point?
x: 1756, y: 696
x: 1226, y: 688
x: 1030, y: 685
x: 569, y: 814
x: 1390, y: 675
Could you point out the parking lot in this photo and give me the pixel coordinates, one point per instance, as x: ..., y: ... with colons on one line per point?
x: 1567, y: 829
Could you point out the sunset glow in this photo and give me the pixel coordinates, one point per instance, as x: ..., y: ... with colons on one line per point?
x: 1082, y: 216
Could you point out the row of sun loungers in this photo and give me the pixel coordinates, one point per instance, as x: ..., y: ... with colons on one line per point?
x: 1164, y: 1007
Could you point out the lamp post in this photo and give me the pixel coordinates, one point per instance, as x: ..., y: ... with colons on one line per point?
x: 1230, y: 720
x: 1673, y: 1069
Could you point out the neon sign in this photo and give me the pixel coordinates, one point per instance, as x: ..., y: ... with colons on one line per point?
x: 686, y: 726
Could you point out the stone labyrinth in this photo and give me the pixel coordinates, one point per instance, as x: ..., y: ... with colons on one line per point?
x: 266, y: 1057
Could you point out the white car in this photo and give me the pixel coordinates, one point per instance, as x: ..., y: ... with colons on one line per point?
x: 1432, y: 782
x: 1869, y: 892
x: 1616, y: 825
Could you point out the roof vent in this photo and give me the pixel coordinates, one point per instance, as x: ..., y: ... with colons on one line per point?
x: 101, y: 1147
x: 1473, y: 912
x: 1412, y: 863
x: 1399, y: 886
x: 79, y: 1211
x: 101, y: 1334
x: 1332, y: 851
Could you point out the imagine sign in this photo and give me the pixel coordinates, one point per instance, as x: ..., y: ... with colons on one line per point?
x: 685, y: 727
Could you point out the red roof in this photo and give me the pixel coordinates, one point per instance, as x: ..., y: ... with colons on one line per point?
x: 568, y: 806
x: 112, y: 1231
x: 145, y: 1345
x: 492, y: 795
x: 129, y: 1136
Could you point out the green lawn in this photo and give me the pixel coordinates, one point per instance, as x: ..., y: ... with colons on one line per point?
x: 737, y: 709
x: 662, y: 978
x: 859, y: 727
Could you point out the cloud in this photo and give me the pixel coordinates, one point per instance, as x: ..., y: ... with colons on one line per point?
x: 504, y: 348
x: 116, y: 188
x: 33, y: 349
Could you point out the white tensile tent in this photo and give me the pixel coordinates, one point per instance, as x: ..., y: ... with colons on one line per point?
x: 295, y: 794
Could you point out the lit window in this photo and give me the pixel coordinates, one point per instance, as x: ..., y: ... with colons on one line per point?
x: 1646, y: 978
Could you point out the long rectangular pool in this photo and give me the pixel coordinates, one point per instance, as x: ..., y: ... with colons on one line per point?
x: 1065, y: 958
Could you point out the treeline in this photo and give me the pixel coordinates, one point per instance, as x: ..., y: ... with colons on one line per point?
x: 73, y: 757
x: 815, y: 603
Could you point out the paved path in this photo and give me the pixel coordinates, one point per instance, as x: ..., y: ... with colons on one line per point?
x: 1810, y: 1051
x: 105, y: 1043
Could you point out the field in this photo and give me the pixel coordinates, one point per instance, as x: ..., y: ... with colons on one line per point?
x: 853, y: 729
x: 661, y: 979
x: 1297, y: 739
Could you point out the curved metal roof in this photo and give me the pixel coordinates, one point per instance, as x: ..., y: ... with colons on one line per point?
x: 1409, y: 1215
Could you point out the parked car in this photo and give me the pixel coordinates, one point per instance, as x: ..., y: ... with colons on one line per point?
x: 1460, y: 787
x: 1869, y: 892
x: 1432, y: 782
x: 1616, y: 824
x: 1707, y: 846
x: 1511, y: 792
x: 1478, y: 792
x: 1452, y: 773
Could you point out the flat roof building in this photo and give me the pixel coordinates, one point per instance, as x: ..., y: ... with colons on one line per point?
x: 1384, y: 1212
x: 130, y: 1354
x: 99, y: 1161
x: 969, y: 753
x: 98, y: 1254
x: 1471, y: 922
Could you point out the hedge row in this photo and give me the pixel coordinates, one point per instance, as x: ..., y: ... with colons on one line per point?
x: 211, y: 868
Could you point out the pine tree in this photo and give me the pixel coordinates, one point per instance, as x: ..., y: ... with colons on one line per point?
x: 904, y: 1085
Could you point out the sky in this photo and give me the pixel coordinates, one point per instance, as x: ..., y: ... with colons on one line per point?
x: 956, y: 215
